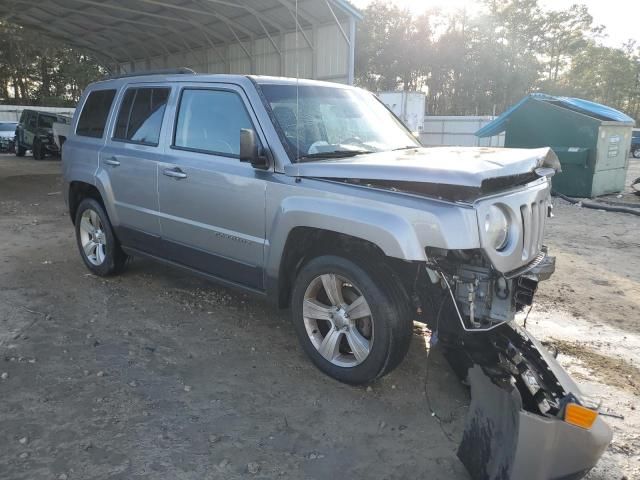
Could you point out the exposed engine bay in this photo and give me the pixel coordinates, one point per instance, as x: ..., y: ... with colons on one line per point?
x: 510, y: 373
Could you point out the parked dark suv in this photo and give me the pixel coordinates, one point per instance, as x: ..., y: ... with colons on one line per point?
x: 35, y: 133
x: 635, y: 143
x: 7, y: 133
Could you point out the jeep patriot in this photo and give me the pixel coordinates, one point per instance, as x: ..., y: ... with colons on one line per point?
x: 315, y: 196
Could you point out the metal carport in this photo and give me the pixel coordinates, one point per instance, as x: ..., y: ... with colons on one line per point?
x: 310, y: 39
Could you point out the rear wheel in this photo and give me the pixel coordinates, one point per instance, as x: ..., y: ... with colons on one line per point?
x: 636, y: 152
x: 353, y: 322
x: 37, y: 149
x: 99, y: 248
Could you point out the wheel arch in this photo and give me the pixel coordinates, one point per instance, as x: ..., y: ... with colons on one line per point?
x: 306, y: 243
x: 321, y: 225
x: 78, y: 191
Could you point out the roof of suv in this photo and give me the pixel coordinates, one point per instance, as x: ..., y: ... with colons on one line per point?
x: 217, y: 78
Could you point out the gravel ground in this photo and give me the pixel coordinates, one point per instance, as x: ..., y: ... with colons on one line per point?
x: 157, y: 374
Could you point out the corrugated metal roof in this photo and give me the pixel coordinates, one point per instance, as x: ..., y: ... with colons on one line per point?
x: 584, y: 107
x: 129, y: 30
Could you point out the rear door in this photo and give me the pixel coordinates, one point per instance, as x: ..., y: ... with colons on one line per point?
x: 212, y: 206
x: 80, y: 157
x: 128, y: 163
x: 30, y: 126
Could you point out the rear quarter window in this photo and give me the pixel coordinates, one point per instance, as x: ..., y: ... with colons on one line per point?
x: 93, y: 118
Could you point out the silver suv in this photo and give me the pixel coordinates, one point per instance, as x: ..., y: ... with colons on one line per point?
x: 316, y: 197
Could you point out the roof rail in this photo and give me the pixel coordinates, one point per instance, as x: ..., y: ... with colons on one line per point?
x: 165, y: 71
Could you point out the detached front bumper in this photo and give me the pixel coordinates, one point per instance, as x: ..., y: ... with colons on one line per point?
x: 551, y: 448
x: 503, y: 440
x: 554, y: 450
x: 521, y: 422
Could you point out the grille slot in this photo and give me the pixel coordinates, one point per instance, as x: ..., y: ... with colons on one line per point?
x: 533, y: 219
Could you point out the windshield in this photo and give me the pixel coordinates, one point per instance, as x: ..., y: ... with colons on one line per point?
x: 46, y: 121
x: 334, y: 122
x: 7, y: 127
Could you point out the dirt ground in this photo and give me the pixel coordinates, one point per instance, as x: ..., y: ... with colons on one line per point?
x: 157, y: 374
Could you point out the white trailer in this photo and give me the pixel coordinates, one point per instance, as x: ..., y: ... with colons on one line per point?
x: 407, y: 106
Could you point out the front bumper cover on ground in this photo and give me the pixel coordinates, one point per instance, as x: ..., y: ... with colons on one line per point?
x: 503, y: 441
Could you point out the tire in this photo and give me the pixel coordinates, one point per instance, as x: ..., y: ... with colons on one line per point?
x: 20, y: 150
x: 636, y: 152
x: 381, y: 338
x: 37, y: 149
x: 103, y: 255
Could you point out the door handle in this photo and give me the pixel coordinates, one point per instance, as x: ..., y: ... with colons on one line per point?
x: 174, y: 173
x: 113, y: 161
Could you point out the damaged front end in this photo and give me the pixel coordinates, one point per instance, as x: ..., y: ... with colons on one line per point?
x: 527, y: 419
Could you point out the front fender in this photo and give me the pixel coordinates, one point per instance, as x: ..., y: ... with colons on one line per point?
x: 393, y: 234
x: 400, y: 232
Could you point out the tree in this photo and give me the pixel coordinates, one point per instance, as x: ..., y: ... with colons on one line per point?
x: 564, y: 37
x: 483, y: 63
x: 392, y: 47
x: 34, y: 70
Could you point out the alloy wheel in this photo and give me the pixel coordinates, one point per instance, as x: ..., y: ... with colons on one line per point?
x: 92, y: 237
x: 338, y: 320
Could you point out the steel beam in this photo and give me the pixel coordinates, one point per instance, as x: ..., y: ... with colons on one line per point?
x: 344, y: 34
x: 56, y: 34
x: 36, y: 4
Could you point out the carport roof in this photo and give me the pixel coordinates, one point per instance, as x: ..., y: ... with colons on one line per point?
x: 129, y: 30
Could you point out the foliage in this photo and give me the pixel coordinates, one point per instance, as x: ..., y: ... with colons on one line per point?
x: 35, y: 70
x: 481, y: 64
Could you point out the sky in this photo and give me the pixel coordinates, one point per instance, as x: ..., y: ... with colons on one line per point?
x: 620, y: 17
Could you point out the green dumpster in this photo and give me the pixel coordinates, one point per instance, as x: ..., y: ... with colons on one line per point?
x: 591, y: 140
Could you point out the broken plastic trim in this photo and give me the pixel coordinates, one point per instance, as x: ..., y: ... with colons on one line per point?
x: 490, y: 438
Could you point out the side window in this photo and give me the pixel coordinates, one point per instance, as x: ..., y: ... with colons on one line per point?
x: 210, y: 121
x: 45, y: 121
x: 93, y: 118
x: 140, y: 116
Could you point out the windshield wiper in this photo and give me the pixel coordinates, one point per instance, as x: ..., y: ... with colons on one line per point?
x: 335, y: 154
x: 408, y: 147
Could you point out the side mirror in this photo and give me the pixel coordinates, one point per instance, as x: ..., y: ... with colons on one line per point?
x: 250, y: 151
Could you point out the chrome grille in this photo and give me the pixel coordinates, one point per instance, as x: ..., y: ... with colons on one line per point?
x: 533, y: 218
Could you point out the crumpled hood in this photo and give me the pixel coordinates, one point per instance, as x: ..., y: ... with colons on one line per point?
x: 458, y: 173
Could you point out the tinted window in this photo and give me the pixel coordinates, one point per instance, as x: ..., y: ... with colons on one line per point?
x: 94, y: 114
x: 140, y: 116
x: 210, y: 121
x: 46, y: 121
x: 7, y: 127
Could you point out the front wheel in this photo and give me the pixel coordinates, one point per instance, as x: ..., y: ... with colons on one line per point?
x: 636, y: 152
x: 352, y: 321
x: 99, y: 248
x: 20, y: 150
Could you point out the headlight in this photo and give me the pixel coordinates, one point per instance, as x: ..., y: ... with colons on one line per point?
x: 496, y: 227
